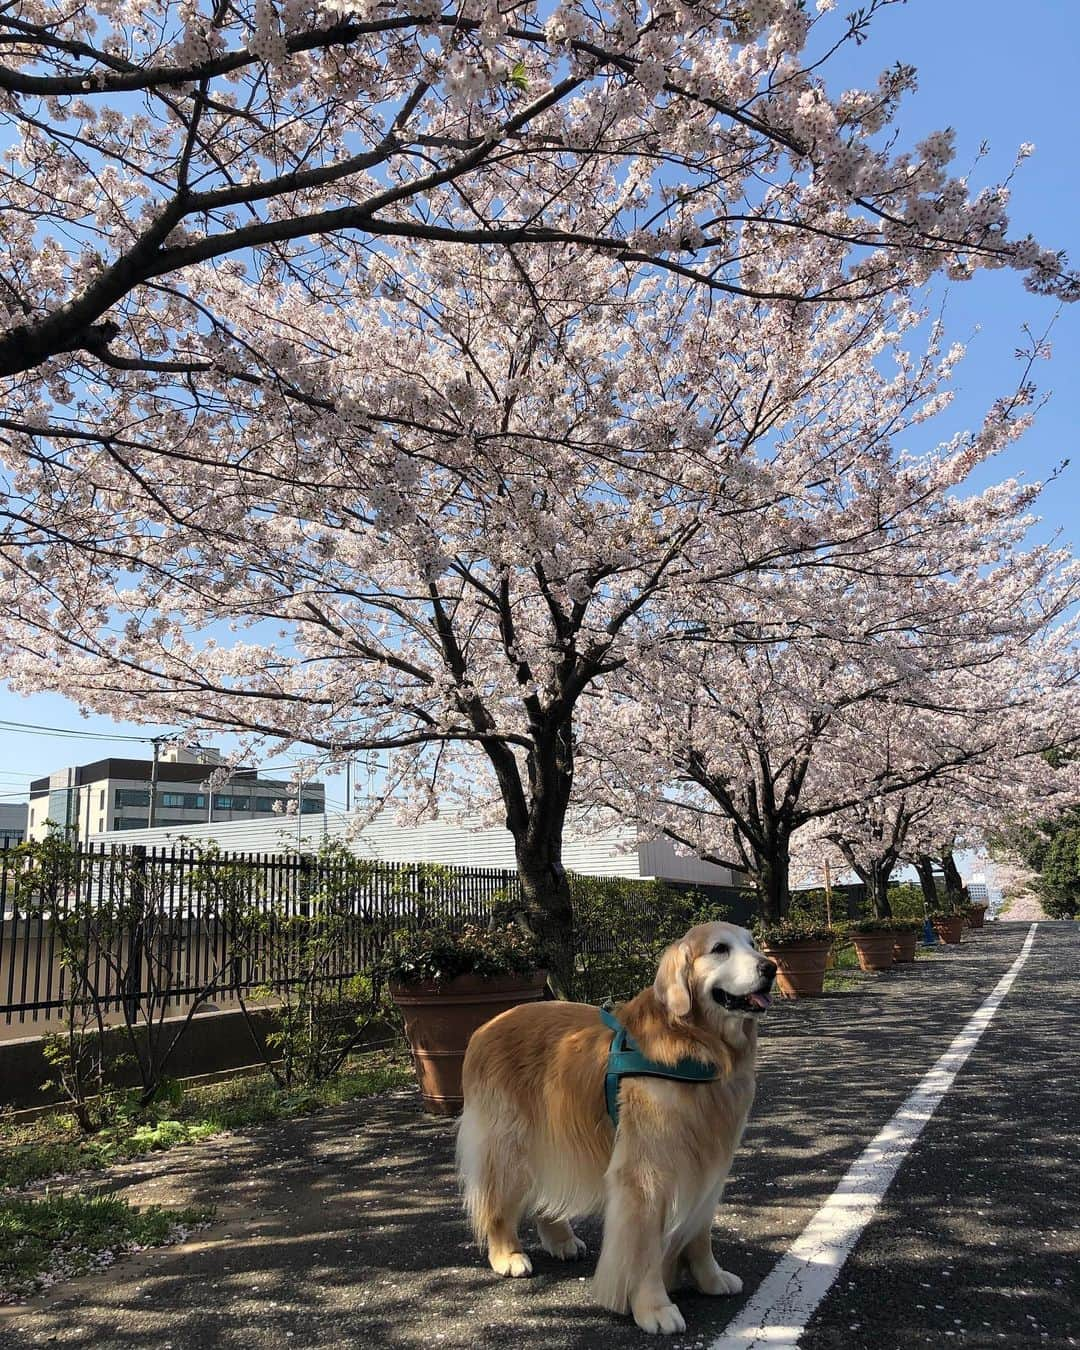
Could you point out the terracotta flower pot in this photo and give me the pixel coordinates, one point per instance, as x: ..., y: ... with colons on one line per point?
x: 800, y: 967
x: 904, y: 945
x: 874, y: 950
x: 949, y: 927
x: 439, y: 1019
x: 977, y: 916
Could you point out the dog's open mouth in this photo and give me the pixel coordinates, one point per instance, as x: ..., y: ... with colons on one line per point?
x: 748, y: 1003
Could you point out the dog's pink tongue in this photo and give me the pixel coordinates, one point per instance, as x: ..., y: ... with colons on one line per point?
x: 759, y: 1000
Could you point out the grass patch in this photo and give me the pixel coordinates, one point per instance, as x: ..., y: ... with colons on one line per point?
x: 843, y: 974
x: 52, y: 1146
x: 58, y: 1236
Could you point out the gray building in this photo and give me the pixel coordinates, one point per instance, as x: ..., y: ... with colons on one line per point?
x: 13, y: 824
x: 114, y: 794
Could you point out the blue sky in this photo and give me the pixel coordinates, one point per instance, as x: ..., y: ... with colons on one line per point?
x: 992, y: 70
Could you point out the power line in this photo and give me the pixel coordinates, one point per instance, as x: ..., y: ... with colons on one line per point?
x: 28, y: 727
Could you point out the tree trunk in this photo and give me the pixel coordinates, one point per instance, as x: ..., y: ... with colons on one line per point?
x: 876, y: 880
x: 925, y: 868
x: 548, y: 908
x: 772, y: 882
x: 954, y: 886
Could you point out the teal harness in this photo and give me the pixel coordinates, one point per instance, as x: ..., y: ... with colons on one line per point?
x: 625, y: 1060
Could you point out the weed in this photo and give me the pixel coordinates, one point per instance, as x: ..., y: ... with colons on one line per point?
x: 54, y: 1237
x: 53, y: 1145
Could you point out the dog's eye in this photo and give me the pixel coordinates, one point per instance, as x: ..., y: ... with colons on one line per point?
x: 721, y: 949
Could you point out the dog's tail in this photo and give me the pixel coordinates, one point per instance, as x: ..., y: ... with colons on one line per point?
x: 492, y: 1170
x: 472, y: 1138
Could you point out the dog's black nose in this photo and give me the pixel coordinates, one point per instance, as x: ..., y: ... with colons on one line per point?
x: 768, y: 970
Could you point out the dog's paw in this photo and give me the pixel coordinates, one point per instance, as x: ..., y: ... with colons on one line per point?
x: 566, y: 1249
x: 514, y: 1264
x: 717, y: 1281
x: 665, y: 1320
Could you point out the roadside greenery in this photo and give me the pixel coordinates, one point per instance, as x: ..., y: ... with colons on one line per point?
x: 621, y: 926
x: 53, y: 1144
x: 1050, y: 849
x: 436, y: 955
x: 794, y: 927
x: 53, y: 1237
x: 843, y: 973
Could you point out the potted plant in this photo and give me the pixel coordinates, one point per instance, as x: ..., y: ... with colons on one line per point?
x: 447, y: 984
x: 948, y: 924
x: 873, y: 940
x: 906, y: 934
x: 976, y: 915
x: 800, y: 947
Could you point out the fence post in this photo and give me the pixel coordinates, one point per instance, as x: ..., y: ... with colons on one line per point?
x: 136, y: 933
x: 303, y: 885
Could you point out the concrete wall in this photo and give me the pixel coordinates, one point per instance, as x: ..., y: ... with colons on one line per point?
x: 214, y: 1042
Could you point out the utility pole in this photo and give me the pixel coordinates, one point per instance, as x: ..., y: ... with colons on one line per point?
x: 348, y: 786
x: 156, y: 743
x: 828, y: 895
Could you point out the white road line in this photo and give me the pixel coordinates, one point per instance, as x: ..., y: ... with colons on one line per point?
x: 777, y: 1315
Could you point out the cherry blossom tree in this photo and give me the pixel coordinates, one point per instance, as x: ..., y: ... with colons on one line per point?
x: 1015, y: 774
x: 294, y: 143
x: 432, y: 349
x: 871, y: 667
x: 446, y: 529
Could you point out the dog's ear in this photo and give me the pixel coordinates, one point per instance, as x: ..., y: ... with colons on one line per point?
x: 672, y: 985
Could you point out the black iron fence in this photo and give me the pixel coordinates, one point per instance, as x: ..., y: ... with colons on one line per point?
x: 177, y: 924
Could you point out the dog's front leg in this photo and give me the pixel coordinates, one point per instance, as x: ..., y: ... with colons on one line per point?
x: 629, y: 1272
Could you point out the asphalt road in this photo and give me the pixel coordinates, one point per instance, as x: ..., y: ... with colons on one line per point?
x: 344, y: 1229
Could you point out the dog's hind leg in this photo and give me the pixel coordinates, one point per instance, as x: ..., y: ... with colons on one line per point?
x: 558, y: 1239
x: 495, y: 1181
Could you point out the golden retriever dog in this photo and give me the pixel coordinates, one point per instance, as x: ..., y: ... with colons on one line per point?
x: 535, y: 1135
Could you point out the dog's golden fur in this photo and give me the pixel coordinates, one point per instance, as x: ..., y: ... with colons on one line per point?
x: 535, y: 1136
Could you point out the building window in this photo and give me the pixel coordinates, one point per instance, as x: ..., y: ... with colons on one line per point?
x: 132, y: 797
x: 101, y: 802
x: 172, y: 799
x: 101, y: 825
x: 230, y: 802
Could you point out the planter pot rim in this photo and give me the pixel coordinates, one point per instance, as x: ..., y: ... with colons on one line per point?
x: 468, y: 985
x: 801, y: 945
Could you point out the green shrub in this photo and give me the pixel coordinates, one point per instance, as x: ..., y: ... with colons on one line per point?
x: 794, y: 928
x: 906, y: 901
x: 622, y: 926
x: 812, y: 906
x: 1059, y: 885
x: 437, y: 955
x: 869, y: 926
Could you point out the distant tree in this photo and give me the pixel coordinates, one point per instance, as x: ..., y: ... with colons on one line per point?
x: 923, y: 643
x: 1050, y: 849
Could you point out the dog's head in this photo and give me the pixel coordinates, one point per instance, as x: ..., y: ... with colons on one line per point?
x: 716, y: 969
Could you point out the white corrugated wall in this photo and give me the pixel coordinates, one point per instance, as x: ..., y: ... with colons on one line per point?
x: 447, y: 841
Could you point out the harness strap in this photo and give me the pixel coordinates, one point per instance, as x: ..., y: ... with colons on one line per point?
x: 625, y: 1060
